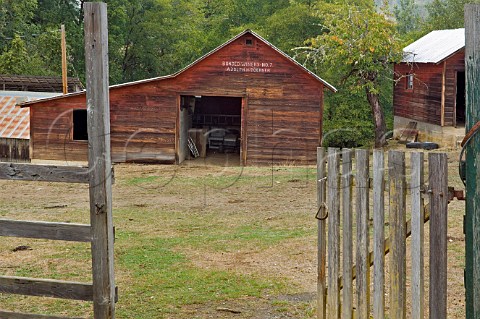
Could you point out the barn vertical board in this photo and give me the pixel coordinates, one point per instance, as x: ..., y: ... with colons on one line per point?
x: 472, y: 219
x: 99, y: 160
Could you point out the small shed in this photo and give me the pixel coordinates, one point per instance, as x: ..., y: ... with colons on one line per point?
x: 429, y: 92
x: 245, y: 97
x: 15, y: 125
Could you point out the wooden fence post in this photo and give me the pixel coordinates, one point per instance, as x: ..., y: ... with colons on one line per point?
x: 438, y: 183
x: 322, y: 234
x: 99, y: 160
x: 333, y: 256
x: 347, y: 306
x: 417, y: 242
x: 396, y: 170
x: 378, y: 234
x: 472, y: 218
x: 362, y: 210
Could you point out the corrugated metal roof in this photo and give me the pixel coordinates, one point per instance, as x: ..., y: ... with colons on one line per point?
x: 328, y: 85
x: 435, y: 46
x: 14, y: 120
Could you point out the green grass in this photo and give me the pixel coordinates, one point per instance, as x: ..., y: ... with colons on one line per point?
x: 164, y: 280
x: 228, y: 177
x: 173, y: 227
x: 252, y: 236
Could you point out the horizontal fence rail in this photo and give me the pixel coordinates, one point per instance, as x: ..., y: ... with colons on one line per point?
x: 17, y: 315
x: 46, y: 288
x: 44, y: 173
x: 361, y: 190
x: 45, y: 230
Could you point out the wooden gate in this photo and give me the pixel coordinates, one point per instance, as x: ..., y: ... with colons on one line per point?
x: 348, y: 188
x: 98, y: 175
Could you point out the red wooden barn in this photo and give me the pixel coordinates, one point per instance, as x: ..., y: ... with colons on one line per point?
x: 245, y: 97
x: 430, y: 86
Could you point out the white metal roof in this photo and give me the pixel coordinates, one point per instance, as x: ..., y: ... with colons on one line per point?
x: 435, y: 46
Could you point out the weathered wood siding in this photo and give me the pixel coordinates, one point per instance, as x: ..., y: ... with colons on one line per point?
x: 14, y: 150
x: 282, y: 112
x: 424, y: 102
x: 142, y: 126
x: 455, y: 64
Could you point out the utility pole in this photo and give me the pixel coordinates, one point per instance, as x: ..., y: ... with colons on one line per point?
x: 472, y: 218
x: 64, y: 60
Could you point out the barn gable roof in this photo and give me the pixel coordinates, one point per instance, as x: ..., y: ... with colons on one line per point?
x: 301, y: 67
x: 435, y: 46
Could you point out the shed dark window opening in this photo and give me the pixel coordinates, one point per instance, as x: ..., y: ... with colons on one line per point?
x: 409, y: 85
x: 249, y: 42
x: 80, y: 132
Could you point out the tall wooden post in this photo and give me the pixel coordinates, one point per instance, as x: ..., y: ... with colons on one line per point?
x: 472, y: 218
x: 322, y: 234
x: 64, y: 60
x: 98, y: 117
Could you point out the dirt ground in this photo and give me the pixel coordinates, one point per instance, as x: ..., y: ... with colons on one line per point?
x: 199, y: 196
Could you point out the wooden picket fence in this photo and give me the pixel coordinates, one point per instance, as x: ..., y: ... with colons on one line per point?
x: 348, y: 188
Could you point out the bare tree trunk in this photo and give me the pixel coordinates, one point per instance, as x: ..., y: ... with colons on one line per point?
x: 378, y: 119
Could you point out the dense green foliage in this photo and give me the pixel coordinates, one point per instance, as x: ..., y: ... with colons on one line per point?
x: 150, y: 38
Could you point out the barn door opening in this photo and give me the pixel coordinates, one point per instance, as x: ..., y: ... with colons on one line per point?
x: 214, y: 125
x: 460, y: 100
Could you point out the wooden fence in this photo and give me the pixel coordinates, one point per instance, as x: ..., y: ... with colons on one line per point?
x: 349, y: 188
x: 14, y: 150
x: 99, y: 175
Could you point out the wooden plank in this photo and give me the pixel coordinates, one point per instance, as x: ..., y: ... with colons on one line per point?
x: 322, y: 234
x: 16, y: 315
x: 417, y: 241
x: 346, y: 183
x: 363, y: 212
x: 46, y: 288
x: 438, y: 181
x: 387, y: 245
x: 472, y: 203
x: 99, y: 159
x: 333, y: 255
x: 378, y: 234
x: 442, y: 104
x: 45, y: 230
x: 43, y: 173
x: 396, y: 171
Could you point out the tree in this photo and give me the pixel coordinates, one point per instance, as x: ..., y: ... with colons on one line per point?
x: 359, y: 45
x: 17, y: 60
x: 446, y: 14
x: 16, y: 17
x: 407, y: 16
x: 289, y: 27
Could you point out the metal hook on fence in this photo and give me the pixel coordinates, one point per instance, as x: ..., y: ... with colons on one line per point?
x: 322, y: 205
